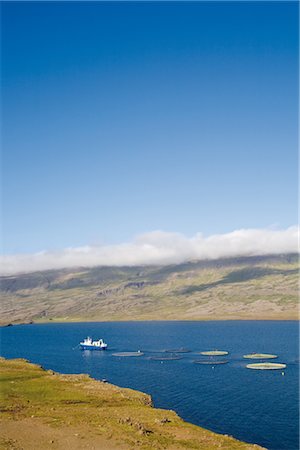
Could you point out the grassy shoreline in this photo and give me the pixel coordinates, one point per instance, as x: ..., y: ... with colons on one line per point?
x: 44, y: 409
x: 294, y: 318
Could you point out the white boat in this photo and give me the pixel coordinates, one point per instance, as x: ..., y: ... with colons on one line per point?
x: 89, y: 344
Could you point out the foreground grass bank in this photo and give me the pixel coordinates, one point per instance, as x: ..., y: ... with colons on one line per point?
x: 43, y: 409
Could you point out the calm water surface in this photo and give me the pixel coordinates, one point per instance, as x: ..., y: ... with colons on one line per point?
x: 255, y: 406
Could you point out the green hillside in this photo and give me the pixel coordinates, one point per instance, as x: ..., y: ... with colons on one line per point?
x: 263, y: 287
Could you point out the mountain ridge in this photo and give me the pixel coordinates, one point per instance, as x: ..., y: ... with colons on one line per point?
x: 227, y: 288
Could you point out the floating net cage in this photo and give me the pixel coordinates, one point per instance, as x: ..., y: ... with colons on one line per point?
x: 128, y: 354
x: 178, y: 350
x: 214, y: 353
x: 210, y: 362
x: 266, y: 366
x: 260, y: 356
x: 165, y: 358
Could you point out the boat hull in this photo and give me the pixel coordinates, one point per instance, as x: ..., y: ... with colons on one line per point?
x: 92, y: 347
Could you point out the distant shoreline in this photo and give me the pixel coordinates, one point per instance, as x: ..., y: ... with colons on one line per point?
x: 216, y: 319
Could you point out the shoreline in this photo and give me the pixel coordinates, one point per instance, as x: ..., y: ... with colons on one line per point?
x: 90, y: 320
x: 130, y: 417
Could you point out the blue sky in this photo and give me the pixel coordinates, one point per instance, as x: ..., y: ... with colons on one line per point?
x: 123, y: 118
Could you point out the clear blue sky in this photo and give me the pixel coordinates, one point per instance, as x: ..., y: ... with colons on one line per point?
x: 122, y: 118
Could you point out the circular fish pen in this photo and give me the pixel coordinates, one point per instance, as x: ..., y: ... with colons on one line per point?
x: 128, y: 354
x: 260, y: 356
x: 178, y: 350
x: 210, y: 362
x: 165, y: 358
x: 266, y: 366
x: 214, y: 353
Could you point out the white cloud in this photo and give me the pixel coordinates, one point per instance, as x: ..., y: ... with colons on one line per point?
x: 159, y: 247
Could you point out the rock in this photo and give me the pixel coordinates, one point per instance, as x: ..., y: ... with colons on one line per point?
x: 163, y: 420
x: 125, y: 420
x: 142, y: 430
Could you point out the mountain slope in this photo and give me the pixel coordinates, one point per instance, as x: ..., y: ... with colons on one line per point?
x: 234, y: 288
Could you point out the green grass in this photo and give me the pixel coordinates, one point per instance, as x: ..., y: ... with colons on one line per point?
x: 78, y: 401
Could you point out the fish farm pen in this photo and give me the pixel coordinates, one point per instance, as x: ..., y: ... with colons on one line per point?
x: 214, y: 353
x: 260, y: 356
x: 165, y: 358
x: 266, y: 366
x: 210, y: 362
x: 128, y: 354
x: 208, y: 358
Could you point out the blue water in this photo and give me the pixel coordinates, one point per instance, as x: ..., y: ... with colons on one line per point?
x: 255, y: 406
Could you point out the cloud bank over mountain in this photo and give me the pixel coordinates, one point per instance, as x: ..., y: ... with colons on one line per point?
x: 158, y: 247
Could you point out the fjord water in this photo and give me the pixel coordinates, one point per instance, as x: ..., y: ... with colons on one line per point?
x: 254, y: 406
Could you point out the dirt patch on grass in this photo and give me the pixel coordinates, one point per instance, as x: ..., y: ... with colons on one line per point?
x: 32, y: 433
